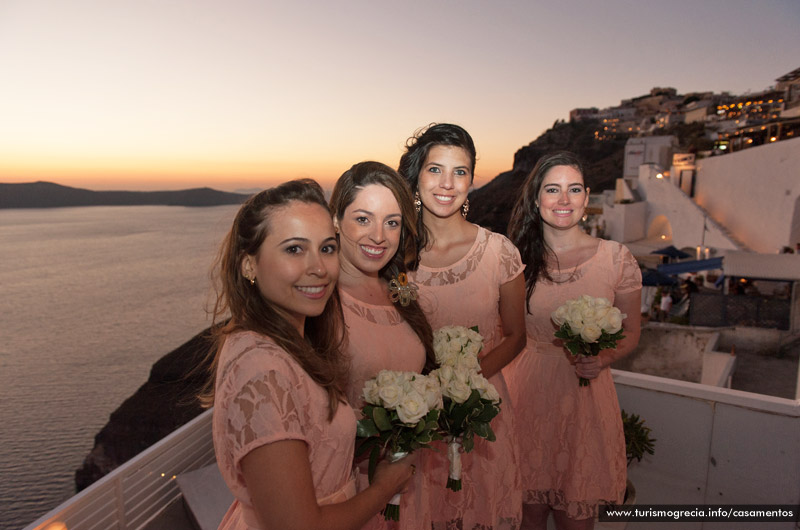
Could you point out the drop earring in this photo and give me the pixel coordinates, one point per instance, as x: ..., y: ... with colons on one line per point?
x: 465, y: 209
x: 417, y: 202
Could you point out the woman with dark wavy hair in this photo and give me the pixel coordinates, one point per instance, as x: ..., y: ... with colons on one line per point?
x: 283, y: 431
x: 374, y: 216
x: 570, y: 436
x: 468, y: 276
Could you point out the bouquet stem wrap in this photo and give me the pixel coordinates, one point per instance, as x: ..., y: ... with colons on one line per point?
x: 392, y: 510
x: 454, y: 456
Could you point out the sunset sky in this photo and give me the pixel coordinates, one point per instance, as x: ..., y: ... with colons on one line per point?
x: 240, y: 94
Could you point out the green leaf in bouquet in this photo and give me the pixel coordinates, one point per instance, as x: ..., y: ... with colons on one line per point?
x: 607, y: 344
x: 481, y: 429
x: 424, y: 438
x: 563, y: 334
x: 420, y: 427
x: 474, y: 328
x: 491, y: 437
x: 381, y: 418
x: 573, y: 347
x: 467, y: 442
x: 366, y: 445
x: 488, y: 411
x: 374, y: 455
x: 366, y: 428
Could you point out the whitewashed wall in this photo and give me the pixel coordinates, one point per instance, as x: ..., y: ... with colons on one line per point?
x: 754, y: 193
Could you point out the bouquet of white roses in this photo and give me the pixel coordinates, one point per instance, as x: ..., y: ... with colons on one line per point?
x: 401, y: 416
x: 470, y: 400
x: 588, y: 325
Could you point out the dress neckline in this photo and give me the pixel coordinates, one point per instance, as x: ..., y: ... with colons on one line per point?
x: 600, y: 244
x: 463, y: 258
x: 360, y: 302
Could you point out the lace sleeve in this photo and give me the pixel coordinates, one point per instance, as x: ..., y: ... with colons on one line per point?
x: 263, y: 406
x: 510, y: 262
x: 629, y: 274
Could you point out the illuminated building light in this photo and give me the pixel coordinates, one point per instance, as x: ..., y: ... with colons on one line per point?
x: 773, y: 139
x: 659, y: 175
x: 663, y: 236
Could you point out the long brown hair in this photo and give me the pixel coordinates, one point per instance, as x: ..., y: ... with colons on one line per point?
x: 344, y: 193
x: 320, y: 351
x: 525, y: 228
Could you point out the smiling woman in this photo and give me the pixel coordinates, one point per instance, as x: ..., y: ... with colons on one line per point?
x: 283, y: 431
x: 374, y: 215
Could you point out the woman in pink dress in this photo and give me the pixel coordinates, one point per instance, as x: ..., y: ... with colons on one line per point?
x: 468, y: 276
x: 375, y: 220
x: 283, y: 431
x: 570, y: 436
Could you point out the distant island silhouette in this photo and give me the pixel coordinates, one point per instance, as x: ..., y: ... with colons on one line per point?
x: 51, y: 195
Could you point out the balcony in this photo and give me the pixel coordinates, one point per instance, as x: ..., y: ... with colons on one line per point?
x: 714, y: 446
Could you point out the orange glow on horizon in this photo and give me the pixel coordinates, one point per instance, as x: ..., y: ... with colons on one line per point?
x: 180, y: 174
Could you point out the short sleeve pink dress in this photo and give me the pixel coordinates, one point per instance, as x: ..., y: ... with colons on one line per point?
x: 263, y: 396
x: 571, y: 440
x: 379, y: 339
x: 467, y: 293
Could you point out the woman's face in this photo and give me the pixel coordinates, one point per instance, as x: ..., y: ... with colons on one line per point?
x: 369, y: 230
x: 562, y: 198
x: 444, y: 180
x: 297, y: 265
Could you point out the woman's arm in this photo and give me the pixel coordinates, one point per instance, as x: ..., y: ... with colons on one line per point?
x: 278, y: 478
x: 631, y: 305
x: 512, y: 315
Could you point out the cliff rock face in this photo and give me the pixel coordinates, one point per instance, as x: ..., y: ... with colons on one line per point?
x: 164, y: 403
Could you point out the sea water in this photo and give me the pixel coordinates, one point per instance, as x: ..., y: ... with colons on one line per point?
x: 90, y: 298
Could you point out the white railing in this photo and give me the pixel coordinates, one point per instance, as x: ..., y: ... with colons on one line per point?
x: 713, y: 446
x: 139, y: 490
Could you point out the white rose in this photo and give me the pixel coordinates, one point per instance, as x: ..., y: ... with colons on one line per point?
x: 490, y: 393
x: 445, y: 374
x: 601, y: 302
x: 588, y: 314
x: 411, y: 408
x: 614, y: 321
x: 478, y: 382
x: 390, y: 395
x: 370, y: 392
x: 469, y: 362
x: 559, y: 316
x: 386, y: 377
x: 433, y: 393
x: 591, y: 332
x: 462, y: 373
x: 457, y: 390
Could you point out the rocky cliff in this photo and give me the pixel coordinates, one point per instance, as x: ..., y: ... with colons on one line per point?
x: 164, y: 403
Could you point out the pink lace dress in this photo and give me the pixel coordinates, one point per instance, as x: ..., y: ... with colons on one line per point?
x: 379, y: 339
x: 570, y: 437
x: 467, y: 293
x: 264, y: 396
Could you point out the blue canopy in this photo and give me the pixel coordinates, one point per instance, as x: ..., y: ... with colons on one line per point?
x: 690, y: 266
x: 653, y: 277
x: 672, y: 252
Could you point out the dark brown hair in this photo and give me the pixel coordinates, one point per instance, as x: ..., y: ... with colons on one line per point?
x: 319, y: 352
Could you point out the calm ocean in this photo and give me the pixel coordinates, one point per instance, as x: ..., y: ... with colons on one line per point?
x: 89, y: 299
